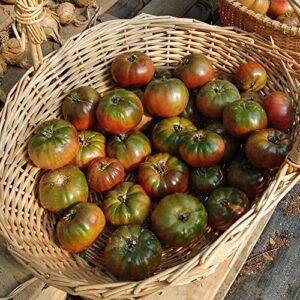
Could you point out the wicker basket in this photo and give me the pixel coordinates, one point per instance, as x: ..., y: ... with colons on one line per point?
x: 233, y: 13
x: 85, y: 60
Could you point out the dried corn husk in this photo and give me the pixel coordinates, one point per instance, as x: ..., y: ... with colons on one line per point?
x: 13, y: 53
x: 51, y: 26
x: 66, y: 13
x: 3, y: 67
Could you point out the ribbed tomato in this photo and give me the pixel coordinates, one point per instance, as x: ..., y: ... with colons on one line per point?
x: 132, y: 69
x: 105, y: 173
x: 202, y: 148
x: 132, y: 252
x: 79, y: 107
x: 92, y: 145
x: 194, y: 70
x: 80, y: 227
x: 54, y: 144
x: 126, y: 204
x: 162, y: 174
x: 61, y: 188
x: 119, y: 111
x: 267, y: 148
x: 179, y: 219
x: 130, y: 149
x: 167, y: 134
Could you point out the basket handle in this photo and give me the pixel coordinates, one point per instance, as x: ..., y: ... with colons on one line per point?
x: 29, y: 13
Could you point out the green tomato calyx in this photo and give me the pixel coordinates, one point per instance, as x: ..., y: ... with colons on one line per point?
x: 218, y: 89
x: 132, y: 58
x: 84, y: 141
x: 48, y: 133
x: 224, y: 202
x: 184, y: 216
x: 198, y: 138
x: 116, y: 99
x: 185, y: 61
x: 103, y: 166
x: 74, y: 98
x: 161, y: 168
x: 122, y: 198
x: 131, y: 244
x: 70, y: 215
x: 178, y: 127
x: 274, y: 139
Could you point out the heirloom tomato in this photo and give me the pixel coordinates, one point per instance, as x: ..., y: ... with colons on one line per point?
x: 162, y: 174
x: 267, y: 148
x: 132, y: 252
x: 290, y: 19
x: 130, y: 148
x: 179, y: 219
x: 61, y: 188
x: 119, y: 111
x: 242, y: 117
x: 202, y: 148
x: 105, y: 173
x: 259, y: 6
x: 79, y: 107
x: 92, y: 145
x: 167, y: 134
x: 132, y: 69
x: 80, y: 227
x: 224, y: 206
x: 194, y: 70
x: 279, y: 7
x: 126, y: 204
x: 54, y: 144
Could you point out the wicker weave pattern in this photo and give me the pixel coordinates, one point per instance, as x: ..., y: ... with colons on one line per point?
x: 233, y: 13
x: 85, y: 60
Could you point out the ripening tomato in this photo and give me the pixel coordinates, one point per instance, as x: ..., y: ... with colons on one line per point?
x: 132, y: 252
x: 179, y: 219
x: 246, y: 177
x: 54, y: 144
x: 79, y: 107
x: 279, y: 7
x: 162, y: 174
x: 92, y: 145
x: 202, y: 148
x: 215, y: 96
x: 251, y: 76
x: 61, y: 188
x: 289, y: 19
x: 126, y: 204
x: 105, y: 173
x: 224, y: 206
x: 166, y: 97
x: 132, y: 69
x: 119, y: 111
x: 80, y: 227
x: 191, y: 111
x: 167, y: 134
x: 130, y: 148
x: 194, y: 70
x: 267, y: 148
x: 240, y: 118
x: 279, y: 110
x: 259, y: 6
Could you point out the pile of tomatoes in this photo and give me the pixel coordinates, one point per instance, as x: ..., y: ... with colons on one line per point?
x: 280, y: 10
x: 192, y: 143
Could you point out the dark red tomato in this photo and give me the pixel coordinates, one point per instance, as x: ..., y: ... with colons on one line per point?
x: 215, y: 96
x: 179, y: 219
x: 279, y: 109
x: 191, y: 111
x: 250, y: 77
x: 130, y: 149
x: 290, y: 19
x: 232, y: 145
x: 166, y: 97
x: 243, y: 117
x: 163, y: 174
x: 224, y: 206
x: 194, y: 70
x: 132, y: 69
x: 206, y: 179
x: 202, y: 148
x: 54, y: 144
x: 147, y: 117
x: 259, y: 6
x: 105, y: 173
x: 246, y: 177
x: 119, y: 111
x: 79, y: 107
x: 279, y: 7
x: 167, y: 134
x: 252, y: 96
x: 60, y: 189
x: 126, y: 204
x: 132, y: 253
x: 80, y: 227
x: 92, y: 145
x: 267, y: 148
